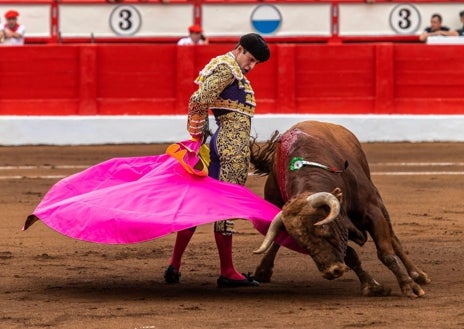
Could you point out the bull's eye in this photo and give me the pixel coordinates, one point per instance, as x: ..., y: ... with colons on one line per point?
x: 323, y: 230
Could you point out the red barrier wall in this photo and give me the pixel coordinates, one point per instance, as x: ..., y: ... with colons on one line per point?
x: 158, y: 79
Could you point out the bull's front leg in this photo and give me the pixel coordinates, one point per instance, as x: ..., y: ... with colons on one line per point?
x: 416, y: 273
x: 407, y: 284
x: 383, y: 236
x: 263, y: 272
x: 369, y: 286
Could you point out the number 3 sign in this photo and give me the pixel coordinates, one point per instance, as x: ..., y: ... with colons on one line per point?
x: 125, y: 20
x: 405, y: 19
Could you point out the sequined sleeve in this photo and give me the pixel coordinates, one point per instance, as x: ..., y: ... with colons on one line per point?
x: 208, y: 91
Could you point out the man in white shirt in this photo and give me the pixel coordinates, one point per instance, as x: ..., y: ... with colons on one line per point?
x: 195, y: 37
x: 12, y: 32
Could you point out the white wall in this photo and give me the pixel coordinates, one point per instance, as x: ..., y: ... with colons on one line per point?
x: 376, y: 19
x: 158, y: 19
x: 88, y: 130
x: 79, y: 20
x: 36, y: 18
x: 297, y: 19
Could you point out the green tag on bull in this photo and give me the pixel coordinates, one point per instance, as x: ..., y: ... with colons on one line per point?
x: 296, y: 163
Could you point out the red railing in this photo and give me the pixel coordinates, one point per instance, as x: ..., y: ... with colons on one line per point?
x: 158, y: 79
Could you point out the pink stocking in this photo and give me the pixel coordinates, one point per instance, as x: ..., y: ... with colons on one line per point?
x: 224, y: 246
x: 182, y: 240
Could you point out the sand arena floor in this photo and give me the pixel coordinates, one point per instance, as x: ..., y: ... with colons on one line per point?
x: 51, y: 281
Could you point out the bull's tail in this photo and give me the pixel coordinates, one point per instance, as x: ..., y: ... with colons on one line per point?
x: 262, y: 156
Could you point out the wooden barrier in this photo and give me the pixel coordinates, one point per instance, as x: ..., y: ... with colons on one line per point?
x: 158, y: 79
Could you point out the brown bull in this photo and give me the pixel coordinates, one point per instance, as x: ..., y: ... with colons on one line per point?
x: 318, y: 174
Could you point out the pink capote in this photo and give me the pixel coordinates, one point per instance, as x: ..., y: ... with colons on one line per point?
x: 128, y: 200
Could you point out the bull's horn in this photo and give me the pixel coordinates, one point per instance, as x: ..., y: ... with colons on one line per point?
x: 320, y: 199
x: 274, y: 228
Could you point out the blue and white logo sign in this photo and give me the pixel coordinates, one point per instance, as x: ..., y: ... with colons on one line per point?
x: 266, y: 19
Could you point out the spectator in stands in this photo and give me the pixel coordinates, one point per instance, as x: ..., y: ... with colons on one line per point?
x: 195, y: 37
x: 436, y: 29
x: 461, y: 30
x: 13, y: 32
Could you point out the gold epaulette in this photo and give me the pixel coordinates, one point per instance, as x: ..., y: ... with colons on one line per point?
x: 226, y: 59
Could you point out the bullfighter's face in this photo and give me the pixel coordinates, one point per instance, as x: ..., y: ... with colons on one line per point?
x: 245, y: 60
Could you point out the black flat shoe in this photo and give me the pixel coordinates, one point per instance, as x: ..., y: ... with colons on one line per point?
x: 249, y: 281
x: 171, y: 275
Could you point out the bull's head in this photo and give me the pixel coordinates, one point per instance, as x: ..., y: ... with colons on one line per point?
x: 312, y: 220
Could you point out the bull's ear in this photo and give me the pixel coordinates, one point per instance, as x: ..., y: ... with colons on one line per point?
x: 338, y: 194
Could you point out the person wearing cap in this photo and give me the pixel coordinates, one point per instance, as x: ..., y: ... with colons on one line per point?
x: 13, y: 32
x: 195, y: 37
x: 224, y: 89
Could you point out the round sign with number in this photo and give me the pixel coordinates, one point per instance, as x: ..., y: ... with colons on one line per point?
x: 125, y: 20
x: 266, y: 19
x: 405, y: 19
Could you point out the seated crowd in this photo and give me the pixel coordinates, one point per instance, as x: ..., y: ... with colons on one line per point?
x: 436, y: 28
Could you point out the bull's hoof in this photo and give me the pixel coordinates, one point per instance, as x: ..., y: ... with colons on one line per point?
x: 263, y: 275
x: 374, y: 289
x: 420, y: 277
x: 412, y: 290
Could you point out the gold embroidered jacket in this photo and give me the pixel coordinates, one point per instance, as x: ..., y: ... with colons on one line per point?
x: 221, y: 85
